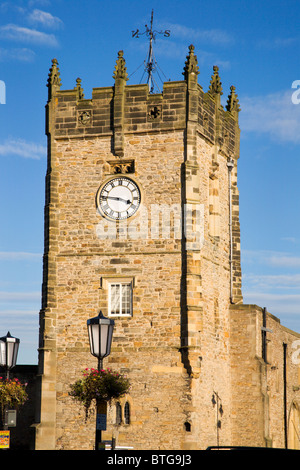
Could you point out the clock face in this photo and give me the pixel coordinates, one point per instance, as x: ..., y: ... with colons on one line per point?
x: 119, y: 198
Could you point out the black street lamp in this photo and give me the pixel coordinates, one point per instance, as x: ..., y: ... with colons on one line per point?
x: 9, y: 347
x: 100, y: 331
x: 100, y: 335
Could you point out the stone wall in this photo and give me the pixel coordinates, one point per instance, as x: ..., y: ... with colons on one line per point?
x: 265, y: 377
x: 181, y: 346
x: 176, y: 146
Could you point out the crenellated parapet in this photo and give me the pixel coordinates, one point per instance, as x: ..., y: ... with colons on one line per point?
x: 124, y: 109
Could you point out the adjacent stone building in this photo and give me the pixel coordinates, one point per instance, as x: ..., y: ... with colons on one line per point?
x: 142, y: 223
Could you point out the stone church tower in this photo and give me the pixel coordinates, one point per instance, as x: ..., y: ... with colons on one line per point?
x: 142, y: 223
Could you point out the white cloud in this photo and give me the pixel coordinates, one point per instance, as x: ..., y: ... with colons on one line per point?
x: 23, y: 149
x: 272, y: 281
x: 20, y: 296
x: 290, y: 239
x: 19, y: 256
x: 271, y: 258
x: 276, y: 43
x: 22, y: 34
x: 210, y: 36
x: 285, y: 261
x: 21, y: 323
x: 9, y: 6
x: 277, y: 304
x: 43, y: 3
x: 45, y: 19
x: 173, y: 50
x: 19, y: 54
x: 278, y: 291
x: 273, y: 114
x: 18, y: 313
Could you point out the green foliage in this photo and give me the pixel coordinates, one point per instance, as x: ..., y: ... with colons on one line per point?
x: 99, y: 386
x: 12, y: 393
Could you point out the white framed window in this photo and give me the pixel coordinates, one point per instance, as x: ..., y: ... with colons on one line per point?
x: 119, y: 298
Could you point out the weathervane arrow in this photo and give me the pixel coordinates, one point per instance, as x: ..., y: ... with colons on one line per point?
x: 150, y: 32
x: 150, y: 64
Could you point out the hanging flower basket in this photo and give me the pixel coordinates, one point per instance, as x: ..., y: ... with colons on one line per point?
x: 12, y: 393
x: 98, y: 386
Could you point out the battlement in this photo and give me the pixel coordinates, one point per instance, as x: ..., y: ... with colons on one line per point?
x: 125, y: 109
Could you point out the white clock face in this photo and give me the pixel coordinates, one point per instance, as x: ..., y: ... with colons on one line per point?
x: 119, y: 198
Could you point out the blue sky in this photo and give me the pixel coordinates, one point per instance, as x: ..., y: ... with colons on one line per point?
x: 256, y: 46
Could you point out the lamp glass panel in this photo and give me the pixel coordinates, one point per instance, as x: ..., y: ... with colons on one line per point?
x: 2, y: 354
x: 98, y: 342
x: 12, y: 352
x: 104, y: 339
x: 9, y: 352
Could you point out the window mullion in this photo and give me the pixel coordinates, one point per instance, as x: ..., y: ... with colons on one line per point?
x: 121, y: 295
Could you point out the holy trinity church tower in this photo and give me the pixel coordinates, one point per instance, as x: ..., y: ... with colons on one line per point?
x: 142, y: 223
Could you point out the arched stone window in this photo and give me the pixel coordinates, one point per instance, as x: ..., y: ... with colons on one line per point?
x: 118, y: 413
x: 187, y: 426
x: 127, y: 413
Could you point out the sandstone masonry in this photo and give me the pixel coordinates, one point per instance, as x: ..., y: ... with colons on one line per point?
x: 189, y: 345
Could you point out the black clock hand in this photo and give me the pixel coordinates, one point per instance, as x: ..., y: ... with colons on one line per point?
x: 116, y: 199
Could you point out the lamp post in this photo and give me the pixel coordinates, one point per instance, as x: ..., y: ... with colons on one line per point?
x: 100, y: 330
x: 9, y: 347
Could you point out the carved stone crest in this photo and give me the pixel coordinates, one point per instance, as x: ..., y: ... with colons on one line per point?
x: 121, y: 166
x: 84, y: 118
x: 154, y: 112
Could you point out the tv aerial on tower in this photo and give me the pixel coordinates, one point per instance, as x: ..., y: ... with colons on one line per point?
x: 150, y: 63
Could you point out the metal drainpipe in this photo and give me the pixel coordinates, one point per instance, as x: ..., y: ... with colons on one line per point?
x: 230, y: 165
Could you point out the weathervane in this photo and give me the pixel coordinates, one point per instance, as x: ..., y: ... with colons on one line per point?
x: 150, y: 64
